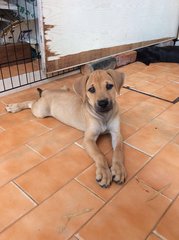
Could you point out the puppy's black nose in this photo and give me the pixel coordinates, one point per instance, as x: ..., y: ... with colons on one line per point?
x: 103, y: 103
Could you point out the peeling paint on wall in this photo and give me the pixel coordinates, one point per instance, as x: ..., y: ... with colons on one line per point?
x: 49, y: 52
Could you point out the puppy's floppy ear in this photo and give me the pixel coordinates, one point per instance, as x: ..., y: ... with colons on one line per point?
x: 79, y: 87
x: 117, y: 77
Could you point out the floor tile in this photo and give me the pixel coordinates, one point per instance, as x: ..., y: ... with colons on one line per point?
x: 2, y: 108
x: 21, y: 96
x: 14, y: 204
x: 152, y: 137
x: 9, y: 120
x: 45, y: 179
x: 129, y: 100
x: 167, y: 65
x: 58, y: 218
x: 138, y: 66
x: 132, y: 68
x: 49, y: 122
x: 140, y: 76
x: 145, y: 86
x: 159, y: 102
x: 169, y: 92
x: 171, y: 115
x: 68, y: 81
x: 154, y: 70
x: 19, y: 135
x: 166, y: 78
x: 53, y: 141
x: 168, y: 226
x: 127, y: 70
x: 162, y: 79
x: 127, y: 216
x: 52, y: 85
x: 17, y: 162
x: 134, y: 160
x: 175, y: 70
x: 143, y: 82
x: 176, y: 139
x: 163, y: 170
x: 141, y: 114
x: 127, y: 130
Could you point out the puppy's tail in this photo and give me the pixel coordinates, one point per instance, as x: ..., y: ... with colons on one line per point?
x: 40, y: 91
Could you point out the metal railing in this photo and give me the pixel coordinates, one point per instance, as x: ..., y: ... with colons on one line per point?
x: 20, y: 54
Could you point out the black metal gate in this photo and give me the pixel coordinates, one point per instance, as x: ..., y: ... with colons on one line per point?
x: 20, y: 55
x: 20, y: 63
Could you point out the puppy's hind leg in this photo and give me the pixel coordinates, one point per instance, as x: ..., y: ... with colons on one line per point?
x: 17, y: 107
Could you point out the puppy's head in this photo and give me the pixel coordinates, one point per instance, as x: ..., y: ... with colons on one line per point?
x: 100, y: 88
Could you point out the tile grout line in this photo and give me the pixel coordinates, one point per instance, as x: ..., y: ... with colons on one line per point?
x: 31, y: 148
x: 159, y: 235
x: 75, y: 237
x: 139, y: 150
x: 35, y: 120
x: 88, y: 188
x: 25, y: 193
x: 149, y: 95
x: 79, y: 145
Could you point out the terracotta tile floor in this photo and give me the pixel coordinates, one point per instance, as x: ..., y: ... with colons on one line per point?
x: 47, y: 181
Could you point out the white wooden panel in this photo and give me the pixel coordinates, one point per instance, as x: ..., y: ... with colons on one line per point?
x: 76, y: 26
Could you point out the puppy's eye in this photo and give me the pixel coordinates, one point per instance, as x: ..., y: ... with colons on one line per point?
x: 109, y: 86
x: 92, y: 89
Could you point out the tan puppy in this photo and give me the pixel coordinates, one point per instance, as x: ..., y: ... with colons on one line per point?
x: 92, y: 108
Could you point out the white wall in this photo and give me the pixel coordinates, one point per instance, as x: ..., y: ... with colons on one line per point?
x: 81, y: 25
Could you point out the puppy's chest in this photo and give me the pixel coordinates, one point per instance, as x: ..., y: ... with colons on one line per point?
x: 109, y: 126
x: 104, y: 127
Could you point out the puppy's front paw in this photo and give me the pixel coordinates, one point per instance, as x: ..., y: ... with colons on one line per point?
x: 119, y: 173
x: 103, y: 176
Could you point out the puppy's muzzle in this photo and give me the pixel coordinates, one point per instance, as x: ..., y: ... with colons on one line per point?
x: 103, y: 105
